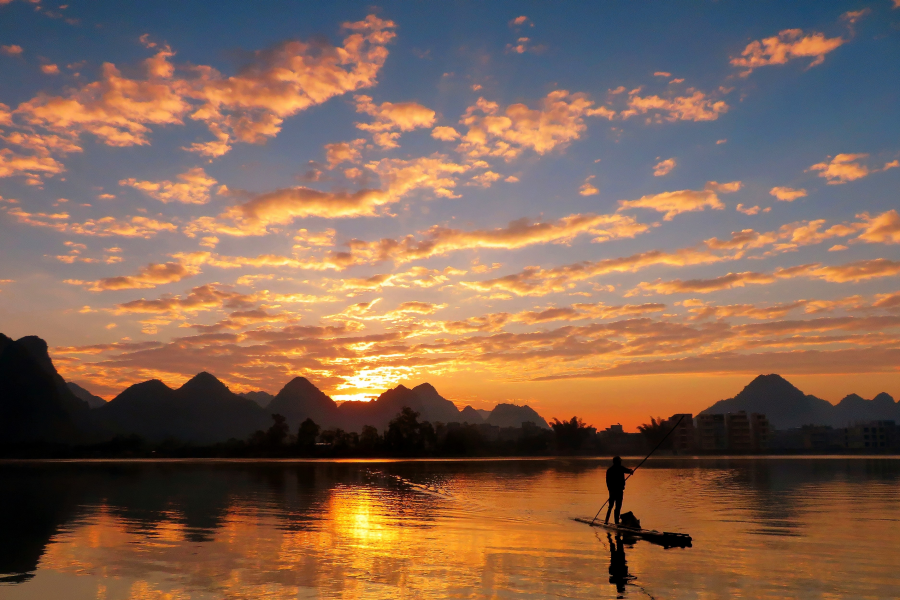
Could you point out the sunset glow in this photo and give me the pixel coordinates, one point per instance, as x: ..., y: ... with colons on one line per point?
x: 593, y: 208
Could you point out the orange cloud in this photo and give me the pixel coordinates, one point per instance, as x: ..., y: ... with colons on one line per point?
x: 842, y: 168
x: 882, y: 229
x: 149, y: 276
x: 534, y: 281
x: 32, y: 167
x: 200, y: 298
x: 193, y: 188
x: 696, y: 107
x: 578, y: 312
x: 786, y: 194
x: 663, y: 167
x: 391, y: 118
x: 787, y: 45
x: 50, y: 69
x: 143, y: 227
x: 587, y: 188
x: 506, y: 134
x: 11, y: 50
x: 342, y: 152
x: 681, y: 201
x: 445, y: 134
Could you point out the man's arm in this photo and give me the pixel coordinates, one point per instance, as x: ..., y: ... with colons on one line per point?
x: 629, y: 471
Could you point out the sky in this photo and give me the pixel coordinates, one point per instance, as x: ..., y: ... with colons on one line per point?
x: 614, y: 210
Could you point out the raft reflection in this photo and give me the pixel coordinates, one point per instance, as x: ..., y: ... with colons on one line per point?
x: 443, y: 529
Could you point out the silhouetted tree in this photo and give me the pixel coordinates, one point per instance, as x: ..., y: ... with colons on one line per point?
x: 307, y: 435
x: 571, y: 435
x: 369, y: 440
x: 655, y: 431
x: 278, y: 432
x: 406, y: 436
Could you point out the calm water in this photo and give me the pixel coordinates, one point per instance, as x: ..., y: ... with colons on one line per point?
x: 762, y: 528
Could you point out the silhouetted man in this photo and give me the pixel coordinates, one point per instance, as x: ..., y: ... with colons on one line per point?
x: 615, y: 483
x: 618, y: 567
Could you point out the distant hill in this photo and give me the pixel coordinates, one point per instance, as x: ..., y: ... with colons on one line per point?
x: 81, y: 393
x: 300, y: 400
x: 202, y: 411
x: 261, y: 398
x: 470, y: 415
x: 786, y: 406
x: 35, y: 403
x: 513, y: 415
x: 423, y: 399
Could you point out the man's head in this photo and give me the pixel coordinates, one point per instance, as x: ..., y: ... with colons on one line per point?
x: 617, y: 461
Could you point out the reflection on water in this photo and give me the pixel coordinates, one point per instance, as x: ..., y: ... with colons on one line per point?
x: 762, y: 528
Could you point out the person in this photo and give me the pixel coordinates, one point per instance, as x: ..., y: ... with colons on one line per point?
x: 615, y: 483
x: 618, y: 566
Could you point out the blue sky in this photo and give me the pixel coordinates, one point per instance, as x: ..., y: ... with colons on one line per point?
x: 585, y: 137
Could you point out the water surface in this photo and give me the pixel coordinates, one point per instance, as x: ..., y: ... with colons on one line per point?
x: 762, y: 528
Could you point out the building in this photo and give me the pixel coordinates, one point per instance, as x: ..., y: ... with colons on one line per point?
x: 684, y: 436
x: 760, y: 431
x: 614, y: 440
x: 737, y: 426
x: 870, y: 435
x: 712, y: 433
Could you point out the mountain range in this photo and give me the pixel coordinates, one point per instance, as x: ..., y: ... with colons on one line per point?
x: 37, y: 404
x: 786, y: 406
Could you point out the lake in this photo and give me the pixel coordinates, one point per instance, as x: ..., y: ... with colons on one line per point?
x: 173, y: 530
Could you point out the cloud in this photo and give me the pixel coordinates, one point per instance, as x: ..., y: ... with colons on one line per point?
x: 29, y: 166
x: 587, y: 188
x: 200, y: 298
x: 341, y: 152
x: 558, y: 121
x: 392, y: 118
x: 750, y: 210
x: 150, y: 276
x: 520, y: 21
x: 787, y: 45
x: 577, y: 312
x: 50, y: 69
x: 662, y: 74
x: 248, y: 107
x: 850, y: 272
x: 445, y: 134
x: 193, y: 188
x: 881, y: 229
x: 133, y: 227
x: 842, y: 168
x: 695, y: 107
x: 663, y: 167
x: 786, y: 194
x: 11, y: 50
x: 681, y: 201
x: 534, y: 281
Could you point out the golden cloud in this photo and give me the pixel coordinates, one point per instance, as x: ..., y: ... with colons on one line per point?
x: 787, y: 45
x: 192, y: 189
x: 200, y: 298
x: 681, y: 201
x: 390, y: 118
x: 881, y: 229
x: 342, y: 152
x: 663, y: 167
x: 695, y: 107
x: 786, y: 194
x: 150, y: 276
x: 142, y: 227
x: 842, y: 168
x: 587, y: 188
x: 558, y: 121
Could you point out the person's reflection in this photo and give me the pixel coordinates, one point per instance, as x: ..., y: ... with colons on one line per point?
x: 618, y: 567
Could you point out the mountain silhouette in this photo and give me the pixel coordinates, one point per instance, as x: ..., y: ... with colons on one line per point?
x: 300, y: 400
x: 786, y: 406
x: 82, y: 394
x: 513, y: 415
x: 424, y: 399
x: 202, y: 411
x: 471, y: 416
x: 261, y: 398
x: 35, y: 403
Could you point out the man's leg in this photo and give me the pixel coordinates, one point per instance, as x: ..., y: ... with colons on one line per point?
x: 609, y: 510
x: 618, y: 508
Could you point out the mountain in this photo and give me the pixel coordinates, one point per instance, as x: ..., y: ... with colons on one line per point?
x: 513, y: 415
x: 35, y: 403
x: 423, y: 399
x: 299, y: 400
x: 202, y: 411
x: 471, y: 416
x: 783, y: 404
x: 787, y: 407
x: 854, y: 408
x: 82, y: 394
x: 261, y: 398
